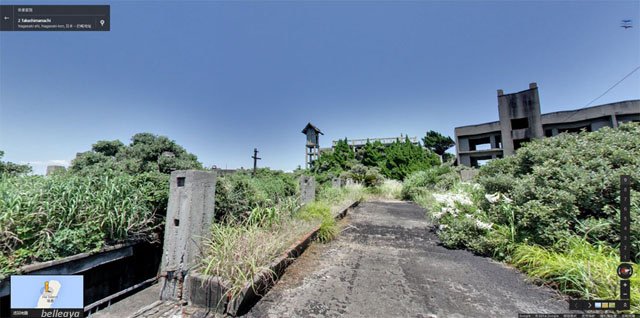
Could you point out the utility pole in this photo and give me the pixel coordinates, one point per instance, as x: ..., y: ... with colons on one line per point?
x: 255, y: 160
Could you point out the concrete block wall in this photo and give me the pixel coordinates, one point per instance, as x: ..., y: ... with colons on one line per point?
x: 190, y: 211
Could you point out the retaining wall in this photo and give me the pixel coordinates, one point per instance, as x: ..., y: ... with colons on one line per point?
x: 109, y: 275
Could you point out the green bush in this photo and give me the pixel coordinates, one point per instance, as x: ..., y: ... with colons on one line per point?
x: 239, y: 193
x: 441, y: 177
x: 367, y: 176
x: 558, y: 183
x: 552, y: 209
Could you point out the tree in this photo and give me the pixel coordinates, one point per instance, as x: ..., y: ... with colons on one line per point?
x: 403, y: 158
x: 343, y: 154
x: 438, y: 143
x: 10, y: 168
x: 372, y: 154
x: 339, y: 159
x: 108, y: 148
x: 146, y: 153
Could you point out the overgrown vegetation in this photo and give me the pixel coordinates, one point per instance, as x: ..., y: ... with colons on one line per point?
x: 240, y: 248
x: 373, y: 162
x: 320, y: 211
x: 43, y: 218
x: 552, y: 209
x: 237, y: 194
x: 438, y: 143
x: 146, y: 153
x: 577, y: 267
x: 12, y: 169
x: 112, y: 193
x: 570, y: 184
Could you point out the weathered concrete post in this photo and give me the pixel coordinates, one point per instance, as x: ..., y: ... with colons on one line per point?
x: 307, y: 189
x: 190, y: 212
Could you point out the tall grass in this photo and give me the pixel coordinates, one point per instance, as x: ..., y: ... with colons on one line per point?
x: 578, y: 268
x: 238, y: 253
x: 389, y: 189
x: 42, y: 218
x: 315, y: 211
x: 337, y: 197
x: 237, y: 250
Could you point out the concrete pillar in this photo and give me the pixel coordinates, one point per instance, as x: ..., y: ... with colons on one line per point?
x: 52, y: 169
x: 614, y: 121
x: 492, y: 141
x: 190, y: 212
x: 515, y: 106
x: 307, y: 189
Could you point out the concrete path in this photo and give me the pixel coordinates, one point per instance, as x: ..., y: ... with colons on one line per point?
x: 386, y: 263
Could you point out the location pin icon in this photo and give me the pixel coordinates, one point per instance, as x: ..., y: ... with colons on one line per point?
x: 102, y: 22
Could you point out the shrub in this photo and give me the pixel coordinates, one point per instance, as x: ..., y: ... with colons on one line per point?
x: 368, y: 176
x: 239, y: 193
x: 557, y: 183
x: 441, y: 177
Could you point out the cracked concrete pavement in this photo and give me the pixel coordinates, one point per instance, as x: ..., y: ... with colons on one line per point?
x: 386, y: 263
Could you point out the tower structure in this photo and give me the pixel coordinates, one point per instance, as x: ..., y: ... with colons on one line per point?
x: 312, y: 147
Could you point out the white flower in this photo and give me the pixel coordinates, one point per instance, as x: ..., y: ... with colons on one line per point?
x: 483, y: 225
x: 442, y: 227
x: 493, y: 198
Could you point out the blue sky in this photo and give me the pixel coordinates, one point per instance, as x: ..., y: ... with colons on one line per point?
x: 221, y: 78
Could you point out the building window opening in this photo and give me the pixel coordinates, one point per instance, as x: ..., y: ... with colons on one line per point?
x: 548, y: 133
x: 520, y: 123
x: 480, y: 144
x: 480, y: 161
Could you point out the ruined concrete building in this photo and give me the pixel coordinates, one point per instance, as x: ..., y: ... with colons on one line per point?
x: 520, y: 121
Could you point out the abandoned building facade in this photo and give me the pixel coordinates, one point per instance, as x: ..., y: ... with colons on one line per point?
x: 520, y: 121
